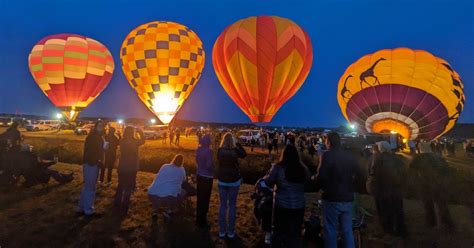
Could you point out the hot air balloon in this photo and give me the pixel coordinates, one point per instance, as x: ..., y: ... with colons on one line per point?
x: 163, y: 62
x: 261, y: 63
x: 72, y: 70
x: 404, y: 91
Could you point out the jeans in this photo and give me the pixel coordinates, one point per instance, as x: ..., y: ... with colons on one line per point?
x: 228, y: 201
x: 126, y: 185
x: 288, y: 224
x: 337, y: 214
x: 86, y: 200
x: 204, y: 189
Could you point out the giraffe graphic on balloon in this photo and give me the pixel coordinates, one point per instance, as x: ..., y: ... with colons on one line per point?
x: 346, y: 94
x: 457, y: 83
x: 369, y: 73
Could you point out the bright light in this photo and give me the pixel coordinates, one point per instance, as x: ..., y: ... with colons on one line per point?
x: 153, y: 121
x: 59, y: 116
x: 120, y: 121
x: 404, y: 140
x: 352, y: 126
x: 165, y: 106
x: 393, y: 132
x: 72, y: 113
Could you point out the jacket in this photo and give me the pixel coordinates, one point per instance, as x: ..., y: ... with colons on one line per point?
x: 129, y: 160
x: 288, y: 194
x: 204, y: 158
x: 93, y: 149
x: 429, y: 168
x: 385, y: 175
x: 338, y: 175
x: 228, y: 170
x: 114, y: 142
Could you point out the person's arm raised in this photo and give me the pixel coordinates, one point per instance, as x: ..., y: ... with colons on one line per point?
x: 241, y: 153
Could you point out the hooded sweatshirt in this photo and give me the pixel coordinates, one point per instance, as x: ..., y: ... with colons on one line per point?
x: 204, y: 158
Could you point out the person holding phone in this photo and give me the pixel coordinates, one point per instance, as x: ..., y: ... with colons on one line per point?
x: 229, y: 180
x: 128, y: 166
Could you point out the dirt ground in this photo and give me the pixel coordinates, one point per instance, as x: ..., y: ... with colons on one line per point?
x: 43, y: 216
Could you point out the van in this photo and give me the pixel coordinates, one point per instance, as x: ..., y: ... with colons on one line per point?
x: 155, y: 131
x: 42, y: 125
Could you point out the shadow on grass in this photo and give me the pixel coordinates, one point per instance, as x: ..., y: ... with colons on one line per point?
x: 22, y: 193
x: 178, y: 232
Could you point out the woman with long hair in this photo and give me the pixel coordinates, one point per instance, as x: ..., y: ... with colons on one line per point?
x: 128, y: 166
x: 229, y: 180
x: 289, y: 176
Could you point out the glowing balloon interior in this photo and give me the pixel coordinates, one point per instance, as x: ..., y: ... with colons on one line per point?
x: 162, y: 61
x: 71, y: 70
x: 410, y: 92
x: 261, y: 63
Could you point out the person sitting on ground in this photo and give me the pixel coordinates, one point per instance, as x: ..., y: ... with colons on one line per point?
x: 166, y: 189
x: 384, y: 183
x: 36, y: 171
x: 432, y: 174
x: 289, y: 176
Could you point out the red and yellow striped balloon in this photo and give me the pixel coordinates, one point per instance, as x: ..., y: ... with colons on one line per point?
x: 72, y: 70
x: 261, y: 63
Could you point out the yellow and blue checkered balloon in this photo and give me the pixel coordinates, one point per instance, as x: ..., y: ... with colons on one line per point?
x: 162, y: 61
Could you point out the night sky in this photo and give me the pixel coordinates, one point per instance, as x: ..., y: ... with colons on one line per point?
x: 341, y: 32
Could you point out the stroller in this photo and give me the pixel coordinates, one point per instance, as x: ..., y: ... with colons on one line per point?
x: 263, y: 205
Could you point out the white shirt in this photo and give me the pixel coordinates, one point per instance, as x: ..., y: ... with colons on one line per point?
x: 168, y: 181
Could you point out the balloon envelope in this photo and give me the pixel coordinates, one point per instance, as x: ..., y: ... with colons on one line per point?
x: 162, y: 61
x: 261, y: 62
x: 410, y: 92
x: 72, y: 70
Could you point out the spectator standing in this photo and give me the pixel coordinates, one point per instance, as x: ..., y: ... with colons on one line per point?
x: 289, y: 176
x: 338, y: 175
x: 432, y: 173
x: 110, y: 156
x: 229, y: 180
x: 128, y: 166
x: 93, y: 159
x: 384, y: 183
x: 205, y: 175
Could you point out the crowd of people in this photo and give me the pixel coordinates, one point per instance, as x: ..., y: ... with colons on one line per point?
x: 339, y: 177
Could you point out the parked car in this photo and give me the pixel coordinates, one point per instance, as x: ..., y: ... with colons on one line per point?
x: 42, y: 125
x: 5, y: 122
x: 248, y: 136
x: 155, y: 131
x: 84, y: 130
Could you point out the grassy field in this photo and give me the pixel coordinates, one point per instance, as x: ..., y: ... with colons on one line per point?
x: 44, y: 217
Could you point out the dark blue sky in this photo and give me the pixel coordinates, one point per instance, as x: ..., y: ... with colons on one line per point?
x: 341, y: 32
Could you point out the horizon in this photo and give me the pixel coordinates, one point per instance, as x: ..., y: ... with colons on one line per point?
x: 340, y: 35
